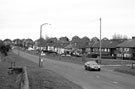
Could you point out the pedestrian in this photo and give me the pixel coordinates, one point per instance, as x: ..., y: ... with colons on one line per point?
x: 42, y: 62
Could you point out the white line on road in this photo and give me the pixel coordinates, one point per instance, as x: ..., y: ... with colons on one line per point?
x: 115, y: 82
x: 97, y: 76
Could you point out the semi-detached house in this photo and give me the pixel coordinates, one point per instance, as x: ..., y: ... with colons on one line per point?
x: 126, y: 50
x: 108, y: 48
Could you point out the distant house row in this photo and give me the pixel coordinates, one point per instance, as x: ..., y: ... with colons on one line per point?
x: 109, y: 48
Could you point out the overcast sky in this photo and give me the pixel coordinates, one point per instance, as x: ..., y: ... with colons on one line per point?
x: 22, y: 18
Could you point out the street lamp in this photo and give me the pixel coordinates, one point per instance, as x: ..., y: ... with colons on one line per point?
x: 100, y: 40
x: 40, y: 65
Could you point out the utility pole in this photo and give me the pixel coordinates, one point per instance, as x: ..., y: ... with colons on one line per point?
x: 100, y: 41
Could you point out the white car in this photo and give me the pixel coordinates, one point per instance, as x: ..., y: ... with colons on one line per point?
x: 92, y: 65
x: 30, y: 49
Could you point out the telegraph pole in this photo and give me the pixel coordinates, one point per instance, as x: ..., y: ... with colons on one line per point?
x: 100, y: 40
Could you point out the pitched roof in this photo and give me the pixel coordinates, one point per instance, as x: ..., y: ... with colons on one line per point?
x: 69, y: 46
x: 106, y: 44
x: 81, y: 45
x: 61, y: 44
x: 128, y: 43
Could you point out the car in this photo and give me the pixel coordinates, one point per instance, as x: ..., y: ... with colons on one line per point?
x: 92, y: 65
x: 30, y: 49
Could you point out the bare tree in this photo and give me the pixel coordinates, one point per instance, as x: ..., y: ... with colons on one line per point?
x: 119, y: 37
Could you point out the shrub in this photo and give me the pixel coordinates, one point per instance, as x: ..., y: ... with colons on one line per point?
x: 4, y: 49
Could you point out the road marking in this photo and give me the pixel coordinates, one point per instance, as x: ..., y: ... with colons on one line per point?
x: 115, y: 82
x: 97, y: 76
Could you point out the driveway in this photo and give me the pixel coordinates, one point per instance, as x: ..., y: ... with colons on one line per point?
x: 87, y: 79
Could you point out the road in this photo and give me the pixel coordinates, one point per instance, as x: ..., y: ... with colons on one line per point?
x: 104, y: 79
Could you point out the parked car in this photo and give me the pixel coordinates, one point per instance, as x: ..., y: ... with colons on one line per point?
x: 30, y: 49
x: 92, y: 65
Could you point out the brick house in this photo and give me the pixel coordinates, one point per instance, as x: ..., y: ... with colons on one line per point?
x: 126, y: 50
x: 108, y: 48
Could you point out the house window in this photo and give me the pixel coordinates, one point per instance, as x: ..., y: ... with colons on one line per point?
x: 127, y: 55
x: 105, y: 50
x: 99, y: 49
x: 126, y: 49
x: 102, y: 50
x: 121, y: 49
x: 96, y: 49
x: 118, y: 55
x: 108, y: 50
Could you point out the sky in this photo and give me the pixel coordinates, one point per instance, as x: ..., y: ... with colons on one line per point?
x: 22, y: 18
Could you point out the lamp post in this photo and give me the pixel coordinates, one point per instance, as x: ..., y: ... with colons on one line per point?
x: 40, y: 65
x: 100, y: 41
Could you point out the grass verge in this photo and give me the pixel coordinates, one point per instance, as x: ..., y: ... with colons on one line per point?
x: 7, y: 81
x: 126, y: 69
x: 39, y: 78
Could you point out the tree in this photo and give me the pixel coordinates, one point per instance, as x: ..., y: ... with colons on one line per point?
x: 4, y: 49
x: 119, y: 37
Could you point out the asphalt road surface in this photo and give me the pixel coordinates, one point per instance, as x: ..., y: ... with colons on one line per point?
x: 105, y: 79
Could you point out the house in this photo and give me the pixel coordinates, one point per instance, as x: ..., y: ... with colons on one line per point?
x: 39, y: 43
x: 60, y: 47
x: 28, y: 43
x: 17, y: 42
x: 7, y: 42
x: 126, y: 49
x: 50, y: 46
x: 108, y: 48
x: 82, y: 46
x: 70, y: 47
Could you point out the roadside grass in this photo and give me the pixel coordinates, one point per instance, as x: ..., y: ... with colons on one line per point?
x: 126, y: 69
x: 7, y: 81
x: 39, y: 78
